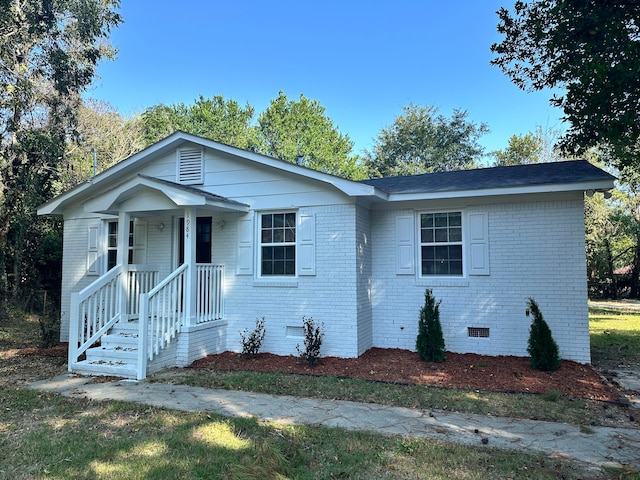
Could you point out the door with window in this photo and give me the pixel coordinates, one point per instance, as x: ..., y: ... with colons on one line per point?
x: 203, y: 240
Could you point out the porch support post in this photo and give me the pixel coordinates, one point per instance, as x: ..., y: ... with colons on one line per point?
x: 191, y: 280
x: 122, y: 259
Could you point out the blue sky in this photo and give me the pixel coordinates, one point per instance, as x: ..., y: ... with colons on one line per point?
x: 362, y: 60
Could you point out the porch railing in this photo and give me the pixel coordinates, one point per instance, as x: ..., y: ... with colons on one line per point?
x: 97, y: 307
x: 161, y: 315
x: 209, y: 294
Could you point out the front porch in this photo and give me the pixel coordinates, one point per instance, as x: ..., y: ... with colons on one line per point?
x: 137, y: 318
x: 129, y: 324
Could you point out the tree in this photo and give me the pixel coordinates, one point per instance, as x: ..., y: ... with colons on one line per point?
x: 591, y: 51
x: 521, y: 150
x: 48, y: 56
x: 288, y: 129
x: 532, y: 147
x: 221, y: 120
x: 100, y: 129
x: 422, y: 141
x: 430, y: 341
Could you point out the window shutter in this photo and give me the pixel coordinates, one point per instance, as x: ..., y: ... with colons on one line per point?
x: 245, y: 247
x: 190, y: 166
x: 405, y: 245
x: 307, y: 245
x: 92, y: 251
x: 478, y: 244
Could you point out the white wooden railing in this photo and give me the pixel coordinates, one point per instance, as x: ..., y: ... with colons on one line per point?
x: 160, y: 308
x: 161, y: 315
x: 97, y: 307
x: 210, y: 298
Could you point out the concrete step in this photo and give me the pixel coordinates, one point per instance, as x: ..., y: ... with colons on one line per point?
x: 105, y: 368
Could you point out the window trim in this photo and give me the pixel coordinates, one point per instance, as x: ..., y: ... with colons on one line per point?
x: 464, y: 244
x: 108, y: 248
x: 259, y: 245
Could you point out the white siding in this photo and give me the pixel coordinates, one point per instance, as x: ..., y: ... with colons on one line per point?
x: 536, y: 250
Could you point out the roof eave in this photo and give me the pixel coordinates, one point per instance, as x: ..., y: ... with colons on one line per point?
x: 602, y: 185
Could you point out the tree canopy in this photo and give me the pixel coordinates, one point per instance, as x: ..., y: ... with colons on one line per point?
x: 217, y: 118
x: 291, y: 128
x: 423, y: 141
x: 590, y: 51
x: 49, y: 51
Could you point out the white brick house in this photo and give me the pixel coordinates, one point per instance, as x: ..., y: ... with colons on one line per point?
x: 172, y: 252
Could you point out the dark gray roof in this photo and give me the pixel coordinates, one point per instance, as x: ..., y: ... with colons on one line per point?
x: 578, y: 171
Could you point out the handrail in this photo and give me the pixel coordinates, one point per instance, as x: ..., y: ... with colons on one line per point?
x: 161, y: 315
x: 98, y: 306
x: 94, y: 309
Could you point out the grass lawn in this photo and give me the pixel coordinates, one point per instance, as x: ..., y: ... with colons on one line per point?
x: 45, y: 436
x: 615, y: 336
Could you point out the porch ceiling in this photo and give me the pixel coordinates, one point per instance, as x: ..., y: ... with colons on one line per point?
x: 149, y: 194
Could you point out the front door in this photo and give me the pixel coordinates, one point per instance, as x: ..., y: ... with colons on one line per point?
x: 203, y: 240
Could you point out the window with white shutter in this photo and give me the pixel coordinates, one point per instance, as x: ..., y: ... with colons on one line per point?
x: 190, y: 166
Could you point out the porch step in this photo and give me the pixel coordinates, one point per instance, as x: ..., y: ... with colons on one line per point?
x: 105, y: 368
x: 112, y: 354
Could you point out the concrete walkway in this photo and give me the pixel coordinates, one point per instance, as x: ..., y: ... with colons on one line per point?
x: 599, y: 446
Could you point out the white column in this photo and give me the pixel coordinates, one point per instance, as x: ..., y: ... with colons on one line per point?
x: 190, y: 259
x: 122, y: 259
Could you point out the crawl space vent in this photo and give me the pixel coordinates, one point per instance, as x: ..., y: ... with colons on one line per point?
x: 478, y: 332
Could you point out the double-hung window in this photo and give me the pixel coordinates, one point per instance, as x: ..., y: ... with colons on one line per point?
x: 112, y: 244
x: 278, y: 244
x: 441, y: 244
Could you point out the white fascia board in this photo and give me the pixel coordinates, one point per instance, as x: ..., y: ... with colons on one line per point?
x: 562, y: 187
x: 55, y: 205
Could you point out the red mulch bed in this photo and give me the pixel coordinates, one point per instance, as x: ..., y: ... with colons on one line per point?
x: 478, y: 372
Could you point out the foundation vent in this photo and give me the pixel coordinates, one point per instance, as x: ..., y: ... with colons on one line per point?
x: 478, y: 332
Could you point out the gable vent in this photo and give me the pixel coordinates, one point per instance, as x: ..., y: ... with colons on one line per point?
x: 190, y: 166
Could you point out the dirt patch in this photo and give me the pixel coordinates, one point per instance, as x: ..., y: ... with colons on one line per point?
x: 19, y: 366
x: 478, y: 372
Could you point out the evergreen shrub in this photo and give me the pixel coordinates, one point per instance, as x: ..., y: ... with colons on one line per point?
x: 542, y: 348
x: 430, y: 341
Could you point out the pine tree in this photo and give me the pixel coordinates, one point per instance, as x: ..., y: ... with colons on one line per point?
x: 542, y: 348
x: 430, y: 341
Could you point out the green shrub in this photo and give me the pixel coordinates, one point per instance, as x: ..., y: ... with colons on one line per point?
x: 542, y: 348
x: 430, y: 341
x: 313, y: 335
x: 252, y: 341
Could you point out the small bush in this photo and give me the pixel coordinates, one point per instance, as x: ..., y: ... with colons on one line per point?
x: 252, y: 341
x: 49, y: 330
x: 430, y: 341
x: 542, y: 348
x: 313, y: 335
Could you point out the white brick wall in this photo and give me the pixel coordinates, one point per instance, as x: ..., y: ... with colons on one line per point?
x: 536, y: 250
x: 328, y: 297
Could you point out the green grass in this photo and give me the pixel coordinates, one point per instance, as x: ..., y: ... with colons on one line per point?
x: 48, y: 436
x: 561, y: 409
x: 615, y: 335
